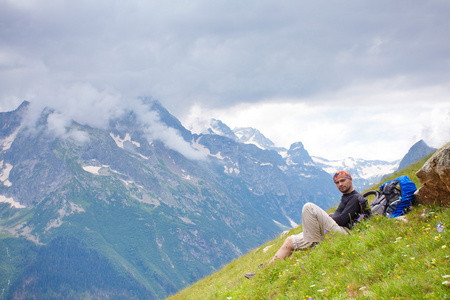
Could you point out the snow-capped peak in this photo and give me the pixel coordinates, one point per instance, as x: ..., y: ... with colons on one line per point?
x: 364, y: 172
x: 219, y: 128
x: 253, y: 136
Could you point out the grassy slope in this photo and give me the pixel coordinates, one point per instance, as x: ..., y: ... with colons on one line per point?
x: 381, y: 259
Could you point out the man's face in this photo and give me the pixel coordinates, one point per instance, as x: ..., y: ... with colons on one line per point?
x: 344, y: 185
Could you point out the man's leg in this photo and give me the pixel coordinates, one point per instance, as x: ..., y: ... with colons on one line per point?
x: 291, y: 244
x: 316, y: 222
x: 284, y: 251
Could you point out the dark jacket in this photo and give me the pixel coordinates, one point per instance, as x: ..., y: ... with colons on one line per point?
x: 349, y: 209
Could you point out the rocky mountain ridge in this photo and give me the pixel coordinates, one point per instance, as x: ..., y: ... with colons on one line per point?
x: 418, y: 151
x: 365, y: 172
x: 161, y: 206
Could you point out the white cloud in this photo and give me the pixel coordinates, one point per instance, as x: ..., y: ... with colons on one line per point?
x: 78, y: 136
x: 382, y: 125
x: 58, y: 124
x: 86, y: 105
x: 155, y: 129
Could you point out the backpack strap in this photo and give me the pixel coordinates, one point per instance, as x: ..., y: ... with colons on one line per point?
x: 364, y: 204
x: 374, y: 193
x: 379, y: 202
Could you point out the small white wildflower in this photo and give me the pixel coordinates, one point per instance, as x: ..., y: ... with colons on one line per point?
x: 362, y: 288
x: 446, y: 282
x: 445, y: 276
x: 229, y: 297
x: 320, y: 291
x: 313, y: 285
x: 412, y: 258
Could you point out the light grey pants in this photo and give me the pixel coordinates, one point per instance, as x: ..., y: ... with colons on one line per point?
x: 316, y: 223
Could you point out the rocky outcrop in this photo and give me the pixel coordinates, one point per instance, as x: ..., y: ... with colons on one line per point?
x: 435, y: 178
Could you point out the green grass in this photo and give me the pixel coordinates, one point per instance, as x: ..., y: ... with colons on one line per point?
x: 382, y: 259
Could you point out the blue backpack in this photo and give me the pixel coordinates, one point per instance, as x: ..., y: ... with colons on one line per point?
x: 394, y: 197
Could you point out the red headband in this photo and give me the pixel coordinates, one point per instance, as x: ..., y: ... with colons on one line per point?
x: 341, y: 174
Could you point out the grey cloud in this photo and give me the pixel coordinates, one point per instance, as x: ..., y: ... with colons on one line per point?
x: 86, y: 105
x: 220, y: 52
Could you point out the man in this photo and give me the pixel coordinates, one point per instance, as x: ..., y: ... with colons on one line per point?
x: 316, y: 222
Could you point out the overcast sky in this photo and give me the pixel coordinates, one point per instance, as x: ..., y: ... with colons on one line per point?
x: 365, y: 79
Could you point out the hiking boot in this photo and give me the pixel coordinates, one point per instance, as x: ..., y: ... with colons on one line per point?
x: 251, y: 275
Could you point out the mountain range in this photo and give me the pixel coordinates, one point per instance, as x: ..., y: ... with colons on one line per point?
x: 143, y: 207
x: 365, y: 173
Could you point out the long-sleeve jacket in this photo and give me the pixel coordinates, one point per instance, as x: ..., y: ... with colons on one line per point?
x: 349, y: 209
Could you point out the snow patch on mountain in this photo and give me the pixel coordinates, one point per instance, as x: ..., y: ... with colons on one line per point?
x: 305, y: 175
x: 130, y: 183
x: 283, y: 153
x: 119, y: 141
x: 94, y: 169
x: 199, y: 147
x: 279, y: 225
x: 283, y: 168
x: 187, y: 220
x: 142, y: 156
x: 328, y: 166
x: 231, y: 170
x: 377, y: 170
x: 248, y: 135
x: 187, y: 177
x: 4, y: 175
x: 289, y: 162
x: 219, y: 128
x: 11, y: 202
x: 293, y: 224
x: 7, y: 142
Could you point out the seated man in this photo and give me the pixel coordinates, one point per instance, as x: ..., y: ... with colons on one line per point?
x: 316, y: 222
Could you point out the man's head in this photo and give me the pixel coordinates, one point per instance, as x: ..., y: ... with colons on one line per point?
x: 343, y: 181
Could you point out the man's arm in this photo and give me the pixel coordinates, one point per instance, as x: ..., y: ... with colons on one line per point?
x: 338, y: 210
x: 350, y: 210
